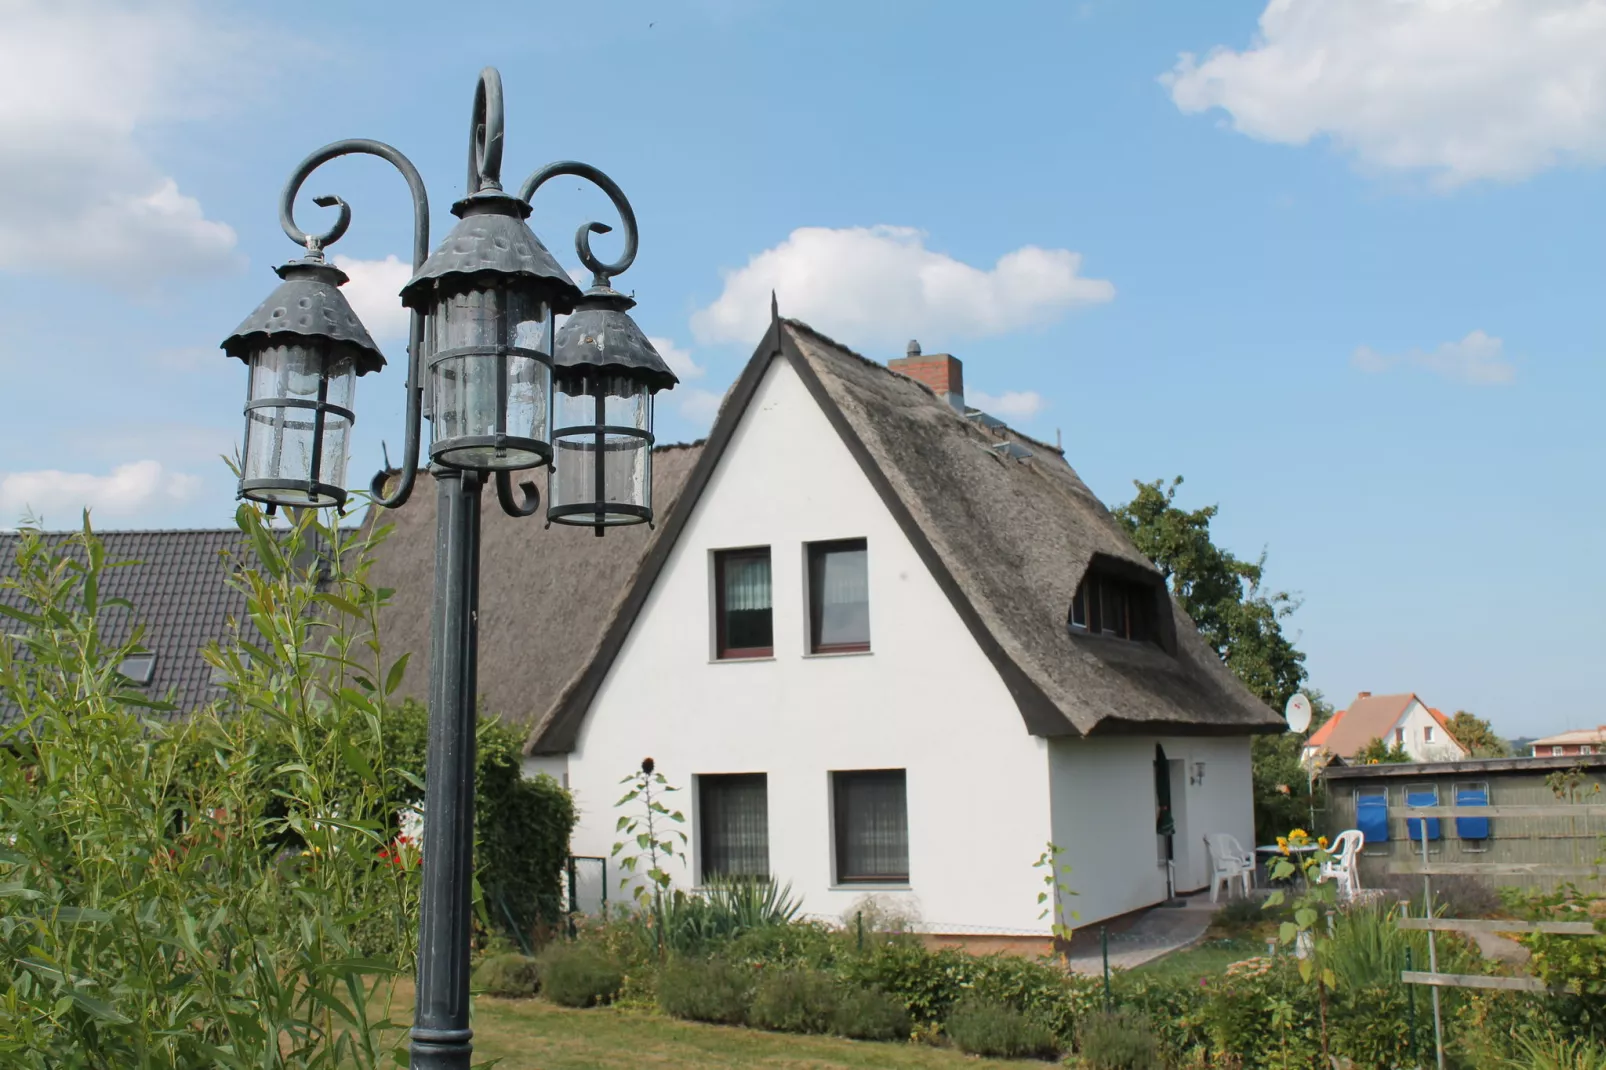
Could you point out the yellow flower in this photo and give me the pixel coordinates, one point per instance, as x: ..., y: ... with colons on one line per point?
x: 1321, y: 841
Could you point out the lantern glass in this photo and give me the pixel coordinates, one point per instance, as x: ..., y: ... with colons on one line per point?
x: 298, y: 423
x: 603, y: 468
x: 490, y: 379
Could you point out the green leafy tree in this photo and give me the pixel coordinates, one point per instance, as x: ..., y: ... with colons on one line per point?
x: 1377, y: 752
x: 1477, y: 736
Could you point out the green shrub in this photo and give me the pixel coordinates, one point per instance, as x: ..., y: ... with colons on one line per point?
x: 1119, y: 1041
x: 869, y: 1014
x: 706, y: 990
x: 509, y: 975
x: 795, y: 1001
x: 578, y: 975
x: 927, y: 982
x: 983, y: 1027
x: 800, y: 943
x: 1039, y: 989
x: 1550, y: 1051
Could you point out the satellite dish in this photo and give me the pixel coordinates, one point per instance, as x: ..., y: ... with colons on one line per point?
x: 1298, y: 712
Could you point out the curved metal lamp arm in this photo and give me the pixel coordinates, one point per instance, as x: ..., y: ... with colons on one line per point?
x: 504, y: 494
x: 315, y: 243
x: 582, y: 239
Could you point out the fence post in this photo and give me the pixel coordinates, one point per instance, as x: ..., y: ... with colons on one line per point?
x: 859, y: 917
x: 1411, y: 1011
x: 1104, y: 951
x: 1433, y: 950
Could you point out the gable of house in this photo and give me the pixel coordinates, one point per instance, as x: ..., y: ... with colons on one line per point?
x: 1393, y: 719
x: 1007, y: 530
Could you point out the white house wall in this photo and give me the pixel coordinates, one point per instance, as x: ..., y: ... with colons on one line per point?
x: 1104, y: 815
x: 1415, y: 719
x: 925, y: 699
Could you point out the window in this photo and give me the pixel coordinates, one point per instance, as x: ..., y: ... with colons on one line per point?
x: 1586, y: 749
x: 1105, y: 605
x: 733, y: 825
x: 138, y: 668
x: 1473, y: 832
x: 1427, y: 734
x: 1555, y: 751
x: 839, y: 597
x: 1399, y: 736
x: 743, y: 622
x: 872, y: 826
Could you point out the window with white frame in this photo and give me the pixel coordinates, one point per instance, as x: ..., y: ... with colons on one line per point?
x: 1427, y: 733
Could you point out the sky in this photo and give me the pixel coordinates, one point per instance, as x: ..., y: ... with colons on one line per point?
x: 1338, y: 265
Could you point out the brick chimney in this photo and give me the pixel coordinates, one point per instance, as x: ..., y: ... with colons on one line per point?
x: 943, y: 373
x: 1364, y: 694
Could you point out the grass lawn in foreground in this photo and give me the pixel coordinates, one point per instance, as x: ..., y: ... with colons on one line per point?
x: 529, y: 1033
x: 1208, y: 958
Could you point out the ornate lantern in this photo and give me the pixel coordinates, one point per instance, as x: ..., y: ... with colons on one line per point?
x: 488, y: 294
x: 304, y: 347
x: 607, y: 372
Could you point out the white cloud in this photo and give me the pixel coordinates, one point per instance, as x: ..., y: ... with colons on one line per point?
x: 697, y: 405
x: 79, y: 83
x: 58, y: 498
x: 679, y: 360
x: 1478, y: 359
x: 375, y: 295
x: 1021, y: 404
x: 1461, y: 89
x: 880, y: 286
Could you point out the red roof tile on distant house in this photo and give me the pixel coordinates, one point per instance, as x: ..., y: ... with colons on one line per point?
x: 1369, y: 717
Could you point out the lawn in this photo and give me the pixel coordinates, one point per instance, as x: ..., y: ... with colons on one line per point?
x: 528, y: 1033
x: 1208, y: 958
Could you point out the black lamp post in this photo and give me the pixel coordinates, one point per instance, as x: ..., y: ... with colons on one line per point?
x: 482, y: 358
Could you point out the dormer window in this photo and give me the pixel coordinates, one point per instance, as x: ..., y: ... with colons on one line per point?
x: 1117, y: 607
x: 138, y: 668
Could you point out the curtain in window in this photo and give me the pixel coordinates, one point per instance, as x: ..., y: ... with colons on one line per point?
x: 735, y: 825
x: 747, y: 583
x: 841, y: 595
x: 872, y: 826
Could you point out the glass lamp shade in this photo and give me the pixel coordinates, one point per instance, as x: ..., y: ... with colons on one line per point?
x: 298, y: 416
x: 602, y: 474
x: 490, y: 376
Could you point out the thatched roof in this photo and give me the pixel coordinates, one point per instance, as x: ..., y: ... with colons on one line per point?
x: 546, y: 594
x: 1007, y: 538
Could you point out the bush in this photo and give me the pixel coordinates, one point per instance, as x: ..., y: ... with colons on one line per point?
x: 1038, y: 988
x: 1454, y: 895
x: 927, y: 982
x: 983, y: 1027
x: 578, y: 975
x: 869, y: 1014
x: 795, y: 1001
x: 509, y: 975
x: 705, y: 990
x: 1120, y: 1041
x: 800, y: 943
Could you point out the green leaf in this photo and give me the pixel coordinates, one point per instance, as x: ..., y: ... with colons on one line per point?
x: 18, y: 890
x: 356, y: 761
x: 398, y: 669
x: 99, y: 1009
x: 348, y: 608
x: 1305, y: 917
x: 1305, y: 968
x: 1287, y: 931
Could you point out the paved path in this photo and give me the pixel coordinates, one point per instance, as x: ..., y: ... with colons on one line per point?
x: 1144, y: 937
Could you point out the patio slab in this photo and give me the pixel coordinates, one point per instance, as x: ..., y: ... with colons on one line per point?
x: 1144, y: 935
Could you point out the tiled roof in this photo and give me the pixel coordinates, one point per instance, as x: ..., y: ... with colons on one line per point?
x: 1573, y: 736
x: 1369, y: 717
x: 179, y: 589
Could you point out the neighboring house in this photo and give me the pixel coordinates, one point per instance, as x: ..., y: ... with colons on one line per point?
x: 1398, y: 720
x: 1373, y: 798
x: 884, y: 643
x: 1575, y: 741
x: 179, y: 590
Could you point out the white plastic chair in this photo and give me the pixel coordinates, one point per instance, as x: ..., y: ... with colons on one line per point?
x: 1343, y: 866
x: 1228, y: 860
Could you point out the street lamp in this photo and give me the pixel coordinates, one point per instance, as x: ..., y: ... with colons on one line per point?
x: 482, y: 357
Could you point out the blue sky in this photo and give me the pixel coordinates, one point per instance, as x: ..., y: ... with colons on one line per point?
x: 1340, y: 266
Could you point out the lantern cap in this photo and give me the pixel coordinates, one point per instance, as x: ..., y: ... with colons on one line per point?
x: 307, y: 304
x: 491, y: 239
x: 601, y: 335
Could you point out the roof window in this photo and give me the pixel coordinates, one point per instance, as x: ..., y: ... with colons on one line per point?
x: 138, y: 668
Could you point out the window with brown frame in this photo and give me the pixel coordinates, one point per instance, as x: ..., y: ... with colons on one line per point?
x: 744, y: 625
x: 1107, y: 605
x: 839, y: 597
x: 733, y: 825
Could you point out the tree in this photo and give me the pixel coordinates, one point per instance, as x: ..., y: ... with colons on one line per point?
x: 1376, y: 751
x: 1477, y: 736
x: 1221, y: 593
x: 1242, y: 621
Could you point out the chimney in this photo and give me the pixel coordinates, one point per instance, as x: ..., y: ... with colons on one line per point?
x: 943, y: 373
x: 1364, y: 694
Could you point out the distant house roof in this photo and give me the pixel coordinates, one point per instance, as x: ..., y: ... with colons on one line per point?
x: 1008, y: 536
x: 1463, y: 767
x: 546, y: 594
x: 1369, y: 717
x: 180, y: 589
x: 1573, y: 737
